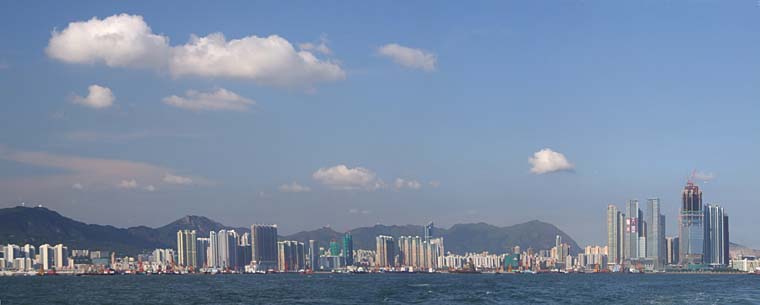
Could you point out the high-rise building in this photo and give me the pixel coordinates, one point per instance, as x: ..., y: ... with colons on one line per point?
x: 633, y: 230
x: 290, y: 256
x: 264, y: 247
x: 614, y: 235
x: 313, y: 255
x: 716, y: 235
x: 672, y: 250
x: 244, y: 250
x: 691, y: 231
x: 429, y: 231
x: 213, y: 250
x: 334, y: 248
x: 385, y: 251
x: 223, y: 249
x: 186, y: 248
x: 61, y: 256
x: 348, y: 249
x: 655, y: 233
x: 47, y: 257
x: 201, y: 251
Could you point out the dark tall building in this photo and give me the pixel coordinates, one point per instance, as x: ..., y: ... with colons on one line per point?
x: 264, y: 247
x: 429, y: 231
x: 716, y: 235
x: 348, y: 249
x: 691, y: 232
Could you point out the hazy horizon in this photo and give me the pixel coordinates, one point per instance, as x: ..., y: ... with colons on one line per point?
x: 353, y: 114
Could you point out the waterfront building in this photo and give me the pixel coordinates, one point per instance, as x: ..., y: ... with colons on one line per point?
x: 213, y: 251
x: 633, y: 230
x: 223, y: 249
x: 186, y: 248
x: 614, y: 234
x: 672, y: 250
x: 313, y: 255
x: 691, y: 232
x: 264, y: 247
x: 290, y: 256
x: 61, y: 256
x: 385, y: 250
x: 716, y: 235
x: 348, y: 249
x: 201, y: 251
x: 655, y: 234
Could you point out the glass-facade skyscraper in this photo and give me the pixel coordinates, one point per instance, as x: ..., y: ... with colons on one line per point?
x: 633, y: 229
x: 655, y: 233
x: 691, y: 231
x: 615, y: 237
x: 264, y: 247
x: 716, y: 235
x: 348, y: 249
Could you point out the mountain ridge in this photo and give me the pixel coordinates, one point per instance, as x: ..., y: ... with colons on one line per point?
x: 39, y: 225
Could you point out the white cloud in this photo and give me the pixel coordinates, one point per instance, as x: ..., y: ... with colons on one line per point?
x: 127, y: 41
x: 340, y: 177
x: 704, y: 176
x: 294, y: 188
x: 320, y: 47
x: 434, y: 184
x: 98, y: 97
x: 176, y: 179
x: 409, y: 57
x: 219, y: 100
x: 150, y: 188
x: 127, y: 184
x: 408, y: 184
x: 117, y: 41
x: 269, y: 60
x: 549, y: 161
x: 77, y: 186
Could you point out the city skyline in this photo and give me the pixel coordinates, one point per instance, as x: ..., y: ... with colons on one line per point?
x: 367, y: 117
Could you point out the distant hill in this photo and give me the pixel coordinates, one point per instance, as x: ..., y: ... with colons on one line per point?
x: 460, y: 238
x: 736, y: 250
x: 21, y: 225
x: 36, y: 226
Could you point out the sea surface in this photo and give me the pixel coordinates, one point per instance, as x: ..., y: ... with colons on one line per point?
x: 384, y: 289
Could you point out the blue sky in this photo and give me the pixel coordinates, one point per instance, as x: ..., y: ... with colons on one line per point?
x: 451, y: 98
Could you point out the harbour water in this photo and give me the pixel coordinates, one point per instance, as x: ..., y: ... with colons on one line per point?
x: 384, y: 289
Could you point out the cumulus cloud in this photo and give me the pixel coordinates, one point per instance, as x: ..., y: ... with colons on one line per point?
x: 98, y: 97
x: 177, y: 179
x: 409, y: 57
x: 294, y: 188
x: 150, y: 188
x: 77, y: 186
x: 127, y: 41
x: 117, y: 41
x: 407, y: 184
x: 341, y: 177
x: 219, y: 100
x: 434, y: 184
x: 269, y: 60
x: 127, y: 184
x: 548, y: 161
